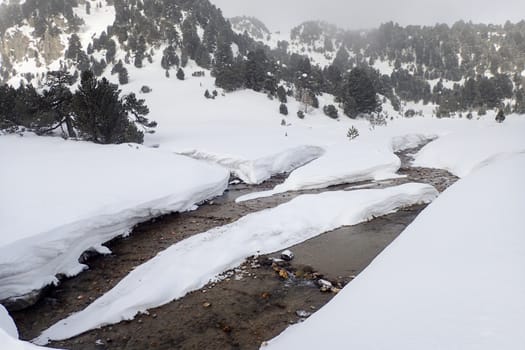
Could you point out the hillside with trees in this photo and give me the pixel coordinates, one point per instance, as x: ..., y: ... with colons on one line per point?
x: 463, y: 68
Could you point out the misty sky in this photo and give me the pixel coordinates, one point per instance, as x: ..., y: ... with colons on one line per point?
x: 352, y: 14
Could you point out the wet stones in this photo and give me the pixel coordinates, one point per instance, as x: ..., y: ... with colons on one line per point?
x: 287, y: 255
x: 303, y: 313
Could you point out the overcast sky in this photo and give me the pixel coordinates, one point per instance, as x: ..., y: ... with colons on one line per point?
x: 359, y: 14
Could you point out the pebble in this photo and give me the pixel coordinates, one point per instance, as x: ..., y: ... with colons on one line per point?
x: 324, y: 283
x: 303, y: 313
x: 287, y: 255
x: 206, y: 304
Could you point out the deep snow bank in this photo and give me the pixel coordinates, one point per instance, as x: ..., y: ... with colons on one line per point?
x: 60, y: 198
x: 454, y: 279
x: 255, y: 171
x: 9, y: 334
x: 190, y: 264
x: 343, y: 163
x: 463, y: 151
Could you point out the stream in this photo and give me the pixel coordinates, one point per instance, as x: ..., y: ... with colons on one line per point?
x: 250, y: 304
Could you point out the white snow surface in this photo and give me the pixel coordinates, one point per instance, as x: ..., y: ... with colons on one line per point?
x: 461, y: 147
x: 463, y: 151
x: 9, y: 334
x: 454, y: 279
x: 192, y: 263
x: 346, y: 163
x: 7, y: 324
x: 60, y: 198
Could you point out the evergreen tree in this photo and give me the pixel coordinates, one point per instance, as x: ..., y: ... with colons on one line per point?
x: 256, y: 70
x: 281, y: 94
x: 123, y: 76
x: 138, y: 110
x: 184, y: 58
x: 58, y: 99
x: 283, y: 109
x: 180, y: 74
x: 169, y: 58
x: 500, y: 117
x: 140, y: 52
x: 331, y: 111
x: 519, y: 107
x: 190, y: 38
x: 7, y: 105
x: 101, y: 116
x: 352, y: 133
x: 359, y: 95
x: 230, y: 77
x: 75, y: 53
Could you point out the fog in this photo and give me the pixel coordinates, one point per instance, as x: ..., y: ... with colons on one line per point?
x: 285, y: 14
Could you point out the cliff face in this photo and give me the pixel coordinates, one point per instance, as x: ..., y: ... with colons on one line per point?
x: 15, y: 46
x: 50, y: 47
x: 18, y: 46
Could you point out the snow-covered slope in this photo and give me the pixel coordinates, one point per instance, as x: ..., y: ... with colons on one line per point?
x: 61, y: 198
x: 454, y: 279
x: 193, y: 262
x: 463, y: 151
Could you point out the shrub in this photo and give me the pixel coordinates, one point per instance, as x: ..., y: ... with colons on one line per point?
x: 352, y: 133
x: 180, y: 74
x: 500, y: 117
x: 331, y: 111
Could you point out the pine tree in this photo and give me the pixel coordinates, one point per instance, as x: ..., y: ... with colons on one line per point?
x: 190, y: 38
x: 352, y: 133
x: 58, y: 99
x: 281, y: 94
x: 75, y: 53
x: 101, y: 116
x: 180, y: 74
x: 283, y: 109
x: 359, y: 94
x: 500, y: 117
x: 331, y: 111
x: 123, y: 76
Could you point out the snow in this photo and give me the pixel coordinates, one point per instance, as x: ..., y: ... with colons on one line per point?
x: 454, y: 279
x: 9, y: 334
x: 465, y: 150
x: 459, y: 146
x: 192, y: 263
x: 257, y: 170
x: 7, y: 324
x: 96, y: 22
x: 61, y: 198
x: 346, y: 163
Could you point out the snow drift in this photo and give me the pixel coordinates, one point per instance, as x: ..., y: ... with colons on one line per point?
x: 341, y: 164
x: 9, y: 334
x: 61, y: 198
x: 463, y: 151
